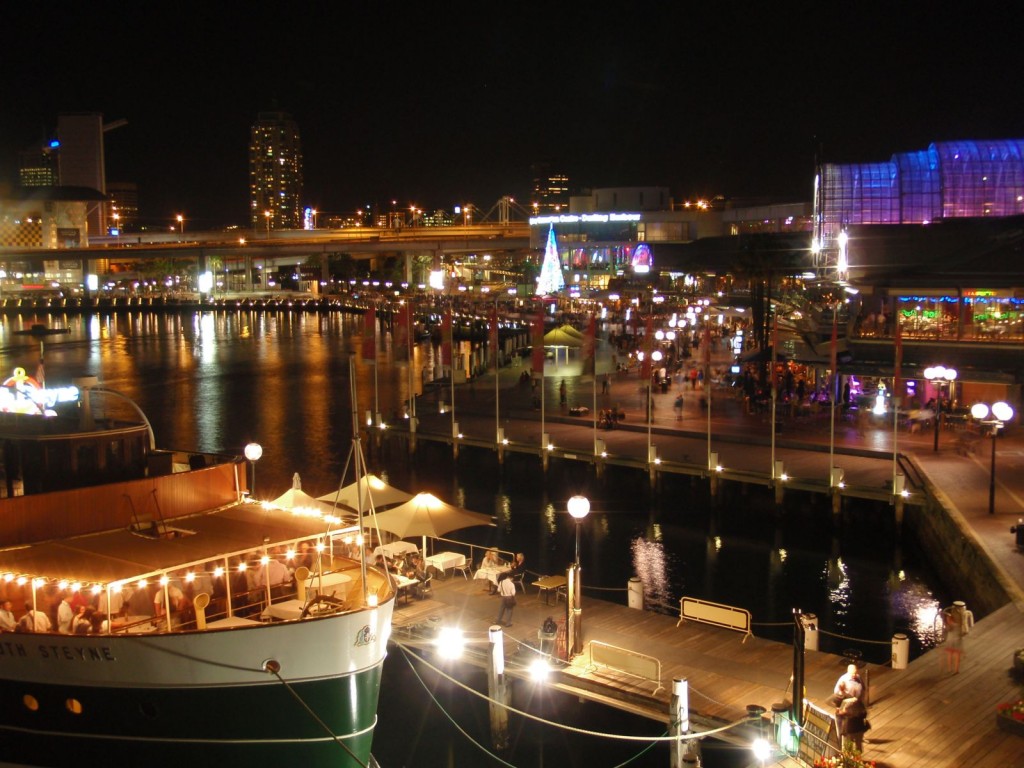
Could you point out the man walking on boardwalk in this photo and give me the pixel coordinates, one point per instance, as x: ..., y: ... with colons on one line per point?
x: 507, y: 590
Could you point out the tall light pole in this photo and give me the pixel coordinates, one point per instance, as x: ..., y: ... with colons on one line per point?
x: 579, y: 508
x: 268, y: 214
x: 253, y: 451
x: 1001, y: 413
x: 181, y: 225
x: 939, y: 376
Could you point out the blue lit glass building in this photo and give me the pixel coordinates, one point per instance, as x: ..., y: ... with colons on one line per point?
x: 950, y: 179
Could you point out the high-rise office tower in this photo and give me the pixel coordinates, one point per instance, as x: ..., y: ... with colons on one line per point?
x: 38, y: 166
x: 82, y: 162
x: 550, y: 192
x: 122, y: 205
x: 275, y: 172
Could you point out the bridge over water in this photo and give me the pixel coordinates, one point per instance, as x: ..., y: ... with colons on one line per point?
x: 244, y: 250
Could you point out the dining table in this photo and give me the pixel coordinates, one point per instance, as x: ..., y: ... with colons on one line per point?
x: 491, y: 572
x: 445, y: 560
x: 404, y: 583
x: 395, y: 548
x: 336, y: 583
x: 285, y: 610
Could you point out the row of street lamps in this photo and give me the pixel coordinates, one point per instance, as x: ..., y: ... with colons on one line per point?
x: 993, y: 416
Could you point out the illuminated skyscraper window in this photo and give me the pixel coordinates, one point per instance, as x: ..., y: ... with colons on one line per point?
x: 275, y: 172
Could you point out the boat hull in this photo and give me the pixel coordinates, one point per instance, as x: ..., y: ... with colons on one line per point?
x: 292, y: 693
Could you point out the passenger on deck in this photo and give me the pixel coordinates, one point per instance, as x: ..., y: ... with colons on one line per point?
x: 65, y: 615
x: 275, y: 574
x: 34, y: 621
x: 7, y: 622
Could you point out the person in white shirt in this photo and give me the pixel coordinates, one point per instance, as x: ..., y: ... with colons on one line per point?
x: 275, y: 574
x: 34, y: 621
x: 7, y: 622
x: 507, y: 590
x: 65, y: 616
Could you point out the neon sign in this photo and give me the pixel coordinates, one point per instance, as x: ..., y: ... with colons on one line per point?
x: 22, y: 393
x: 585, y: 218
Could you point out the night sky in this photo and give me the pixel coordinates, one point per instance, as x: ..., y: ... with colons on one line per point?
x: 450, y: 103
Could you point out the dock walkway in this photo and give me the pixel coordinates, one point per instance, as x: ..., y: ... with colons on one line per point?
x: 927, y: 716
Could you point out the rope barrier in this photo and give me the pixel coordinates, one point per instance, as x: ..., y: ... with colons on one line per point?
x: 407, y: 652
x: 855, y: 639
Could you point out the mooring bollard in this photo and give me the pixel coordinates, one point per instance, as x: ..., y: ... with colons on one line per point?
x: 809, y: 621
x: 900, y: 651
x: 635, y: 593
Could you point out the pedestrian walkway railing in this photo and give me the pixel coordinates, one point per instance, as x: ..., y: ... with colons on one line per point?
x: 716, y: 614
x: 603, y: 655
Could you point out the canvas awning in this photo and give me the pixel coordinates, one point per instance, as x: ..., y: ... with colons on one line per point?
x: 370, y: 488
x: 426, y: 515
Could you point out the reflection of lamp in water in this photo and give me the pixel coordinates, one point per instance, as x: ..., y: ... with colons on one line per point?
x: 253, y: 451
x: 579, y: 508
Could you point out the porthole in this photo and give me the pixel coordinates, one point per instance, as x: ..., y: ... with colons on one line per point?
x: 30, y: 702
x: 74, y: 706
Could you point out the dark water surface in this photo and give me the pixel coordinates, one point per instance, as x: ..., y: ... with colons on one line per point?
x: 215, y: 382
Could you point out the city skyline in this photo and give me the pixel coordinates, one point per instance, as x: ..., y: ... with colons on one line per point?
x: 438, y: 109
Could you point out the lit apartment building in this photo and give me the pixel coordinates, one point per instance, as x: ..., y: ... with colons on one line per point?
x: 275, y: 172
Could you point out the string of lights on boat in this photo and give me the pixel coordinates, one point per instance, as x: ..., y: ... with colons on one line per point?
x: 193, y: 569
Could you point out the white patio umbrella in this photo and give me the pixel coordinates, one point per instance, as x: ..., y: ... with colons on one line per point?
x: 372, y: 488
x: 426, y: 515
x: 297, y: 500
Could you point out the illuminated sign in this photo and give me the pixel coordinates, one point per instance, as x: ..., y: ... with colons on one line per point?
x: 642, y: 260
x: 22, y: 393
x: 584, y: 218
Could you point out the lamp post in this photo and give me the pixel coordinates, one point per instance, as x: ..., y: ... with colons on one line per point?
x: 181, y: 225
x: 579, y: 508
x: 268, y: 214
x: 939, y: 376
x: 1001, y: 413
x: 253, y: 451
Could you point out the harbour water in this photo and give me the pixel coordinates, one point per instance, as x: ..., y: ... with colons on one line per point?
x: 215, y: 382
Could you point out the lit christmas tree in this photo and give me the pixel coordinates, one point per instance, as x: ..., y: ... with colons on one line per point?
x: 550, y: 280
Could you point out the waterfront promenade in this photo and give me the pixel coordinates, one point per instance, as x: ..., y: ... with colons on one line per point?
x: 929, y: 715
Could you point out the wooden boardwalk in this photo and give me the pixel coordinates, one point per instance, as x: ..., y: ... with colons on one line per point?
x: 725, y: 674
x: 923, y: 717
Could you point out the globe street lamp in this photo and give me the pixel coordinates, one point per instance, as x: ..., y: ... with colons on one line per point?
x: 579, y: 508
x: 181, y: 224
x: 1000, y: 414
x: 939, y: 376
x: 253, y: 451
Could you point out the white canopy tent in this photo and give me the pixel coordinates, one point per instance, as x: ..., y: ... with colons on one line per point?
x: 426, y: 515
x: 370, y: 489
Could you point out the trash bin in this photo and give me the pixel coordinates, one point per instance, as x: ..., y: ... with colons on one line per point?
x: 1018, y: 530
x: 547, y: 635
x: 635, y: 591
x: 547, y: 641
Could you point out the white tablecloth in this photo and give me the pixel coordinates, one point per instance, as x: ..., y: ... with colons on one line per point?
x: 445, y: 560
x: 286, y: 609
x: 490, y: 572
x: 395, y: 548
x: 336, y: 583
